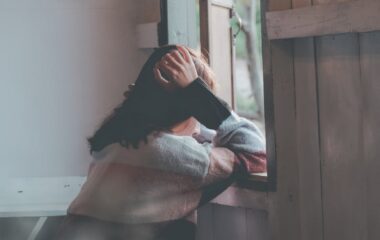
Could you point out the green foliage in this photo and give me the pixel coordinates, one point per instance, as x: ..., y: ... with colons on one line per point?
x: 245, y: 104
x: 241, y: 8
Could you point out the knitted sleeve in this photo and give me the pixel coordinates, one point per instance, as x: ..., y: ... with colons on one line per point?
x: 229, y: 145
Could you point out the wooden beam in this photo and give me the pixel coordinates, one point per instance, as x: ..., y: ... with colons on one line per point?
x: 325, y: 19
x: 307, y: 136
x: 280, y: 120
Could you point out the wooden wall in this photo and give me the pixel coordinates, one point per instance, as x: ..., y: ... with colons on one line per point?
x: 326, y: 107
x: 217, y: 222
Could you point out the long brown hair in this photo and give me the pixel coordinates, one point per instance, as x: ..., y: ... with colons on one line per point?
x: 147, y: 107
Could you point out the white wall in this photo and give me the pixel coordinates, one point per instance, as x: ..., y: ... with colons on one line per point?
x: 64, y: 65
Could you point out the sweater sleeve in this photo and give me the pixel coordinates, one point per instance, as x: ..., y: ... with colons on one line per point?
x: 230, y: 146
x: 201, y: 103
x: 235, y: 133
x: 234, y: 149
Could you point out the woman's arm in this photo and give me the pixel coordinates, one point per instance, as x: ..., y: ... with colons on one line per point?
x: 238, y: 147
x: 235, y: 133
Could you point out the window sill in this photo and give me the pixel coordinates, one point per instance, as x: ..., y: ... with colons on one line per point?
x: 258, y: 177
x: 249, y: 193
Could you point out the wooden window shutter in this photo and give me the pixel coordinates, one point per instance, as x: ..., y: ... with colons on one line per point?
x: 217, y: 44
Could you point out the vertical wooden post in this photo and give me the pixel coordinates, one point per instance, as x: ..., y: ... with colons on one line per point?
x: 340, y: 103
x: 279, y: 72
x: 370, y: 62
x: 308, y: 150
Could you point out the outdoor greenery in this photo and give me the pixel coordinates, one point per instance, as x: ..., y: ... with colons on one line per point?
x: 241, y: 9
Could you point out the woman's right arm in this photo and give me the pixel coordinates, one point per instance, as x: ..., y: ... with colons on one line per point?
x: 235, y: 133
x: 238, y: 147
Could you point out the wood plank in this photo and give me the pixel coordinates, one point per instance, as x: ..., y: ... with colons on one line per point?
x: 310, y: 203
x: 257, y: 225
x: 332, y: 18
x: 229, y: 223
x: 205, y: 230
x: 308, y: 140
x: 205, y: 26
x: 269, y: 104
x: 279, y: 71
x: 340, y: 101
x: 370, y: 62
x: 285, y: 201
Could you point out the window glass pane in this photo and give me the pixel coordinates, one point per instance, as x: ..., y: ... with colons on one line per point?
x: 249, y: 74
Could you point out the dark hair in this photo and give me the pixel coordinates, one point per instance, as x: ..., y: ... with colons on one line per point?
x: 147, y: 108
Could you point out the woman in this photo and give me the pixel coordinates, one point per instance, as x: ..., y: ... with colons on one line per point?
x: 170, y: 147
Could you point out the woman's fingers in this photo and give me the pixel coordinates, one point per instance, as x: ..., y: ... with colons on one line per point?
x: 185, y: 53
x: 167, y: 68
x: 177, y: 55
x: 161, y: 80
x: 172, y: 60
x: 180, y: 71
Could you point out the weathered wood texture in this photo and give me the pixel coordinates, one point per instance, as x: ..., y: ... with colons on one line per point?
x: 340, y: 106
x: 333, y: 18
x: 217, y: 222
x: 205, y: 229
x: 308, y: 156
x: 370, y: 72
x: 342, y: 159
x: 229, y: 223
x: 257, y: 225
x: 284, y: 203
x: 336, y: 101
x: 325, y: 121
x: 279, y: 72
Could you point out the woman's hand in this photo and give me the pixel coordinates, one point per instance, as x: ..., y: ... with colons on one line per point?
x: 179, y: 66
